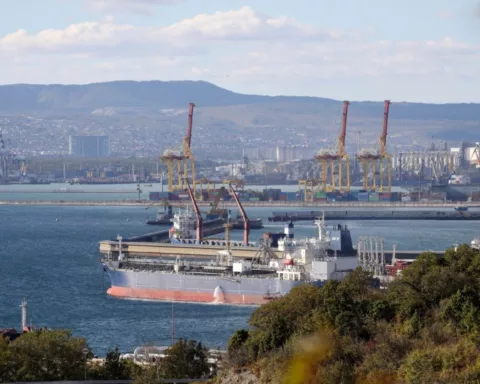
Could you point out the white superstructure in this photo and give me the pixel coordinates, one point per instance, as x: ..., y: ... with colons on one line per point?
x: 183, y: 225
x: 317, y: 255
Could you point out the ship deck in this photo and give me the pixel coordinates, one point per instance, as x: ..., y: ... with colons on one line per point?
x: 185, y: 250
x: 208, y: 251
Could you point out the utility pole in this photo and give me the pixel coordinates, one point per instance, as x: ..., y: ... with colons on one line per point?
x: 139, y: 191
x: 85, y: 353
x: 173, y: 327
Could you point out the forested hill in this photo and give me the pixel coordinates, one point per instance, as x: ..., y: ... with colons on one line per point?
x: 425, y: 328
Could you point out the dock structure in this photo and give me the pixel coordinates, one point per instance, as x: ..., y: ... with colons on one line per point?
x: 384, y: 214
x: 210, y: 228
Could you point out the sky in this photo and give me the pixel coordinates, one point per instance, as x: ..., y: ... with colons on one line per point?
x: 419, y: 51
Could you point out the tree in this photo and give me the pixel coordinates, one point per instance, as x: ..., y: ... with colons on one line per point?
x: 186, y: 359
x: 114, y: 368
x: 47, y: 355
x: 423, y: 328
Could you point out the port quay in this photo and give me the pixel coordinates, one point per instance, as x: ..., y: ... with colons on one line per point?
x: 275, y: 204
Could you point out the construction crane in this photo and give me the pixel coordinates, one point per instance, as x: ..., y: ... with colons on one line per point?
x: 475, y: 157
x: 179, y: 161
x: 336, y: 161
x: 214, y: 210
x: 375, y: 162
x: 198, y: 215
x: 246, y: 223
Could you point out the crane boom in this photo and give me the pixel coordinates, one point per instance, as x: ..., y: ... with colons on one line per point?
x: 383, y: 138
x: 198, y: 215
x: 188, y: 138
x: 343, y: 134
x: 246, y: 223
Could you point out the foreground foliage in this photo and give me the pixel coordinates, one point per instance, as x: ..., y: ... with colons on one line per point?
x: 55, y: 355
x: 186, y: 359
x: 424, y: 329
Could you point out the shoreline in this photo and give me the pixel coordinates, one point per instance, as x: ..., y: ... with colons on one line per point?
x: 260, y: 204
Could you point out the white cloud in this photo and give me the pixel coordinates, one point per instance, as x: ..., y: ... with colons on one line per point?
x: 103, y: 37
x: 139, y: 6
x: 239, y: 49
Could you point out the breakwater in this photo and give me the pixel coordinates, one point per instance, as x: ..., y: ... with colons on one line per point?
x: 376, y: 214
x: 231, y: 204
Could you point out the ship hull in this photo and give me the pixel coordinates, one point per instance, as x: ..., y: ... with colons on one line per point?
x: 164, y: 286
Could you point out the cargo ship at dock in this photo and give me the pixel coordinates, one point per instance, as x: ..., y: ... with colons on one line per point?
x: 328, y: 255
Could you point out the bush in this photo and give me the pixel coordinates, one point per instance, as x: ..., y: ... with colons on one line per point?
x: 424, y: 328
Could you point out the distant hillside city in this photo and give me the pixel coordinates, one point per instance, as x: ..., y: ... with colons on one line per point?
x: 119, y: 131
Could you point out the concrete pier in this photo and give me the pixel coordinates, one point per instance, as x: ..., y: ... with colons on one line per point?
x: 210, y: 228
x: 375, y: 214
x: 230, y: 204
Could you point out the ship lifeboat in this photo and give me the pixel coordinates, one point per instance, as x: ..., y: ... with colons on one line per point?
x: 287, y: 262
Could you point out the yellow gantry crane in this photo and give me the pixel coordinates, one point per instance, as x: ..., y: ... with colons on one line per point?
x: 181, y: 161
x: 335, y: 166
x: 385, y: 159
x: 336, y: 161
x: 375, y: 162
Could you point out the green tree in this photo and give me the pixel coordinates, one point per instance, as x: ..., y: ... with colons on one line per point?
x: 116, y: 369
x: 7, y: 372
x: 48, y: 356
x: 186, y: 359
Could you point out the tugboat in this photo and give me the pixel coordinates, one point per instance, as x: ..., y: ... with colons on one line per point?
x: 254, y: 224
x: 163, y: 217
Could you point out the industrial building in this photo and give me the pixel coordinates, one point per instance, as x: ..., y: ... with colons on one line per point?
x: 89, y: 146
x: 281, y: 154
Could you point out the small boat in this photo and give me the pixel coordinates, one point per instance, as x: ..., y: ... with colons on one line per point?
x: 254, y: 223
x: 164, y: 217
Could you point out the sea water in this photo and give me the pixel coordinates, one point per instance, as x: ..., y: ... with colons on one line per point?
x: 49, y: 255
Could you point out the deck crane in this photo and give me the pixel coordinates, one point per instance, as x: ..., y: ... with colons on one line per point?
x: 198, y: 215
x: 246, y: 223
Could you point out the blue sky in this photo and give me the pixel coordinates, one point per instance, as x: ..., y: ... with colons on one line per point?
x: 403, y: 50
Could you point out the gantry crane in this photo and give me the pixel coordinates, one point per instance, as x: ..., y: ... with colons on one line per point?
x: 375, y: 162
x: 180, y: 161
x: 385, y: 158
x: 334, y: 164
x: 336, y: 161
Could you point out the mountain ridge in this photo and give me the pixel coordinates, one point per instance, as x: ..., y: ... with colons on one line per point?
x: 155, y: 94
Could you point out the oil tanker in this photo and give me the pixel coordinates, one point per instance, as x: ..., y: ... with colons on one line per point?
x: 328, y: 255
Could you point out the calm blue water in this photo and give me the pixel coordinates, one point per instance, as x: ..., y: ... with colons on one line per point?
x: 55, y: 264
